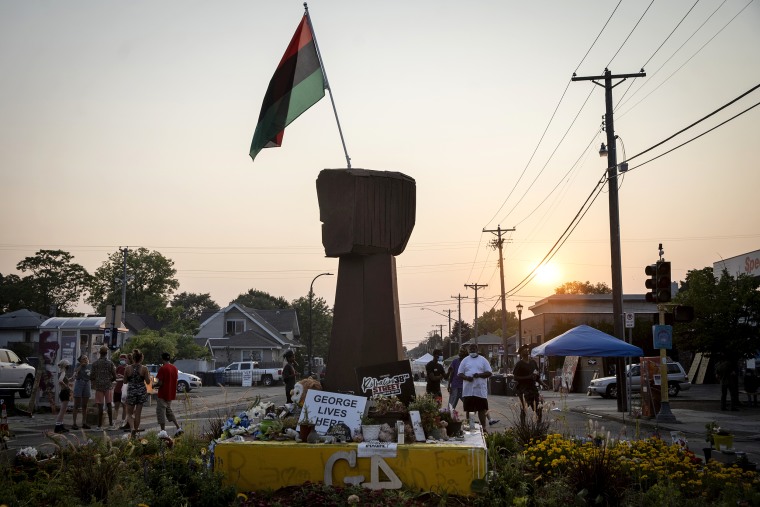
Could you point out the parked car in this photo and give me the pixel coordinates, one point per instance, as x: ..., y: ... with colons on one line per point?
x: 233, y: 373
x: 606, y: 387
x: 15, y: 374
x: 186, y: 382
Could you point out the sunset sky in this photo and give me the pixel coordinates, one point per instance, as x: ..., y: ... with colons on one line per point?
x: 129, y: 124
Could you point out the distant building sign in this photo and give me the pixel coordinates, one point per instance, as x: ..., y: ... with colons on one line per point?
x: 747, y: 264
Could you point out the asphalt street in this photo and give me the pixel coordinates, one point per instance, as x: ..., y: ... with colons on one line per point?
x: 570, y: 414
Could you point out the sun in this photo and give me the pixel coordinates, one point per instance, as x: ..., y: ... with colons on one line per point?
x: 548, y: 274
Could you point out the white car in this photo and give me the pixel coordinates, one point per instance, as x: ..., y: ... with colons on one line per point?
x: 15, y: 374
x: 606, y: 387
x: 186, y: 382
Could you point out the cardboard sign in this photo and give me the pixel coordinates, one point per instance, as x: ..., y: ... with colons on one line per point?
x: 247, y: 378
x: 325, y: 409
x: 419, y: 432
x: 388, y: 379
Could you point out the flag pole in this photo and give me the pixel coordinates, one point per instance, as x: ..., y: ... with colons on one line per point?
x: 327, y: 84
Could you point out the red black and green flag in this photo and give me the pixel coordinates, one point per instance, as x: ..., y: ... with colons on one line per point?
x: 297, y: 84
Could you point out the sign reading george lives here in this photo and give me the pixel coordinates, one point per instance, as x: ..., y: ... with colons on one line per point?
x: 387, y: 379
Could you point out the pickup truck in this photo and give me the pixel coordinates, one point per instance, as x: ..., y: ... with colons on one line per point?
x: 233, y: 373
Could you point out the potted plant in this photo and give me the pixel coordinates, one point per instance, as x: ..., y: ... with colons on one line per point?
x: 370, y: 427
x: 717, y: 437
x: 305, y: 425
x: 387, y: 409
x: 430, y: 415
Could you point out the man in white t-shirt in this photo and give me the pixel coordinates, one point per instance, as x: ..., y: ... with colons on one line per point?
x: 474, y: 370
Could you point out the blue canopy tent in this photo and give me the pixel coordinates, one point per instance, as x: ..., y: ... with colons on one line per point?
x: 586, y: 341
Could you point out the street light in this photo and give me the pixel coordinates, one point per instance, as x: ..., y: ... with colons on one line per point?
x: 311, y: 304
x: 443, y: 315
x: 519, y: 325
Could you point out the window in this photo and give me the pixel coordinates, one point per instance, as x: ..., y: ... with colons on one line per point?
x: 235, y: 327
x: 245, y: 366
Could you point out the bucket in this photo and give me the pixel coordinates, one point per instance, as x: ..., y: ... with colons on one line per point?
x: 723, y: 442
x: 370, y: 432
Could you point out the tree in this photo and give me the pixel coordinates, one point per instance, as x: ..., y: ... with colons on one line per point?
x: 726, y: 314
x: 152, y: 344
x: 14, y: 293
x: 150, y: 282
x: 583, y: 288
x: 185, y: 312
x: 259, y: 300
x: 55, y: 284
x: 466, y: 331
x: 490, y: 322
x: 322, y: 319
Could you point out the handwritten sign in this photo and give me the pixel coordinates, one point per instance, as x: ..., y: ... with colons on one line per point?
x: 325, y: 409
x: 383, y: 449
x: 419, y: 432
x: 247, y: 378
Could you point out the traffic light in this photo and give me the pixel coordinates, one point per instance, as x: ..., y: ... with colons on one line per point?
x: 658, y: 282
x: 651, y: 283
x: 663, y: 282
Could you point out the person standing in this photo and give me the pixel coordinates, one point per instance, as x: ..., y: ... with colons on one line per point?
x: 289, y: 374
x: 166, y: 382
x: 103, y: 377
x: 117, y: 392
x: 455, y: 381
x: 82, y: 391
x: 63, y: 396
x: 526, y: 375
x: 474, y: 370
x: 434, y: 372
x: 137, y: 377
x: 727, y: 372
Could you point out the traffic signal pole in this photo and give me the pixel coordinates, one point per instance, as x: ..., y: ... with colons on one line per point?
x: 614, y: 211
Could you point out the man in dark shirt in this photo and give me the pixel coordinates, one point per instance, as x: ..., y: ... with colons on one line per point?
x: 526, y: 374
x: 435, y: 373
x: 289, y: 374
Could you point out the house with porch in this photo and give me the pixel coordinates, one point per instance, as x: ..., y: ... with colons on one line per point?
x: 239, y: 333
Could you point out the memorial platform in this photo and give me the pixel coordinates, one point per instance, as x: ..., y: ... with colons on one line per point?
x: 442, y: 467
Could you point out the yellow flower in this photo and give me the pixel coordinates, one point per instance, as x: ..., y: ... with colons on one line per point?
x: 144, y: 441
x: 242, y: 497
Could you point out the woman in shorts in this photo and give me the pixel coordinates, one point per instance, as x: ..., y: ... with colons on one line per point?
x: 82, y: 390
x: 63, y: 396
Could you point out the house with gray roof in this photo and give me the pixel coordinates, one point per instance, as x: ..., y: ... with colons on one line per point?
x: 239, y: 333
x: 21, y: 326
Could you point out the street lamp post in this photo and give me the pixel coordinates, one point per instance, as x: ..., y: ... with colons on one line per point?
x: 519, y: 326
x: 442, y: 315
x: 311, y: 328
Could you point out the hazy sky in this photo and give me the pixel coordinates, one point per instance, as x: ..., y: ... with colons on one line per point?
x: 129, y: 124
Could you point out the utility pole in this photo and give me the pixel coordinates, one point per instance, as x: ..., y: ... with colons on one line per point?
x: 476, y: 287
x: 440, y: 333
x: 459, y: 299
x: 500, y: 243
x: 614, y: 211
x: 124, y: 251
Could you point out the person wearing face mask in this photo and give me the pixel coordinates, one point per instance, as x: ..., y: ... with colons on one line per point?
x: 435, y: 372
x: 455, y: 381
x: 474, y: 370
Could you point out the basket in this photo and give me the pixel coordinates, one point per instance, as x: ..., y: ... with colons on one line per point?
x: 370, y: 432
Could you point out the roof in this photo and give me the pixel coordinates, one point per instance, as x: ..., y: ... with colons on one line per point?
x: 21, y: 319
x: 76, y: 323
x: 139, y: 321
x: 284, y: 320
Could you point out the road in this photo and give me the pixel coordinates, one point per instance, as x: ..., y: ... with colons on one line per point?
x: 570, y: 414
